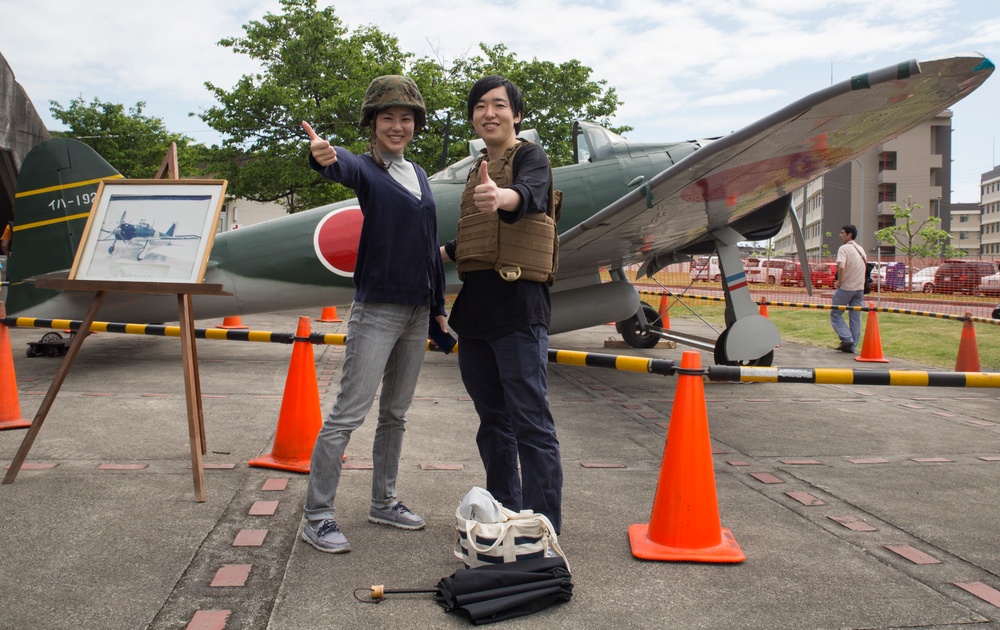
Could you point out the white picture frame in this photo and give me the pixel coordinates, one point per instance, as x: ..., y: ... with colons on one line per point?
x: 150, y: 230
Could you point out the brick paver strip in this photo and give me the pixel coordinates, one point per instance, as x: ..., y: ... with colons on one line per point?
x: 217, y: 466
x: 601, y: 465
x: 805, y: 498
x: 209, y: 620
x: 275, y: 484
x: 35, y: 466
x: 230, y: 575
x: 932, y: 460
x: 982, y: 591
x: 913, y: 554
x: 873, y: 460
x: 348, y: 466
x: 263, y: 508
x: 764, y: 477
x: 802, y: 462
x: 250, y: 538
x: 990, y: 458
x: 854, y: 524
x: 738, y: 463
x: 980, y: 423
x: 442, y: 466
x: 121, y: 466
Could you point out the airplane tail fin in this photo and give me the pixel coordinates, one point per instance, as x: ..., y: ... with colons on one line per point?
x: 56, y: 187
x: 170, y: 231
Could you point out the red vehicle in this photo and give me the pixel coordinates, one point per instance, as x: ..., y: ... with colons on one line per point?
x: 823, y: 274
x: 792, y: 275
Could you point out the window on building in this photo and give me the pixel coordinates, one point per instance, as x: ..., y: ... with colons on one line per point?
x: 963, y: 218
x: 887, y: 161
x: 886, y: 192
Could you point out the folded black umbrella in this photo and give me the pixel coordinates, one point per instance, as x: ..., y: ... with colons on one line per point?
x: 503, y: 591
x: 497, y: 592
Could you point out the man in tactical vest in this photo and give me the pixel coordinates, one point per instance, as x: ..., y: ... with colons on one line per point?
x: 503, y: 310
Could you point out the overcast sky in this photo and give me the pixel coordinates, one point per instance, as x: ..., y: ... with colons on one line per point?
x: 683, y: 68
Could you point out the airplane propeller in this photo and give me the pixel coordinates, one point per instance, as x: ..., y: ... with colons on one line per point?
x: 800, y: 244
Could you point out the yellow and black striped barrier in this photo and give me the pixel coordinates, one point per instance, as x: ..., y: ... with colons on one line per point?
x: 159, y: 330
x: 663, y: 367
x: 847, y: 376
x: 614, y: 362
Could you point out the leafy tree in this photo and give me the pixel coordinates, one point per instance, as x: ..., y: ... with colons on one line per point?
x: 554, y: 95
x: 130, y: 141
x: 313, y: 69
x: 916, y: 239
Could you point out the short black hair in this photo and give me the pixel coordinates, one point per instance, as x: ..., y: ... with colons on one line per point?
x: 491, y: 82
x: 850, y: 229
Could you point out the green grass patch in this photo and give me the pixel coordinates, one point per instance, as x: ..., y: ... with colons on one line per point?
x: 926, y: 340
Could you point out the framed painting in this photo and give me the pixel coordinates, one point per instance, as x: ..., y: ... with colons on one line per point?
x: 143, y: 230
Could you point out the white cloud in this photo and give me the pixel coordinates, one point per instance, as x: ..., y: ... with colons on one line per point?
x: 684, y: 68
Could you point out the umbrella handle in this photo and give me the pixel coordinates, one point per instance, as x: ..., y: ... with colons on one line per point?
x: 378, y: 592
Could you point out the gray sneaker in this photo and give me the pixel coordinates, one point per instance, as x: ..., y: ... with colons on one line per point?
x: 397, y: 515
x: 325, y: 536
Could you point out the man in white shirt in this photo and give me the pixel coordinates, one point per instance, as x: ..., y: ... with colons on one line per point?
x: 849, y: 285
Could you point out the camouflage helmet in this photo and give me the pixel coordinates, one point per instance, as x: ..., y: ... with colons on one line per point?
x: 391, y: 91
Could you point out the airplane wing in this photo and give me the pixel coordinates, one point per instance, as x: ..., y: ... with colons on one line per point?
x: 733, y: 177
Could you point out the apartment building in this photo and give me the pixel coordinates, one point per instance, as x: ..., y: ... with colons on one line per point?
x: 989, y: 191
x: 915, y: 165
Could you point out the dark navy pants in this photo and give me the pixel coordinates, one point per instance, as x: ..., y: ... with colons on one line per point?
x: 506, y: 379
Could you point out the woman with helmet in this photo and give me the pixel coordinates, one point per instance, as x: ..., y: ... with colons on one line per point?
x: 398, y: 287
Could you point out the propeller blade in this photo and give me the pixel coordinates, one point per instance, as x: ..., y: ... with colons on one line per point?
x: 800, y: 245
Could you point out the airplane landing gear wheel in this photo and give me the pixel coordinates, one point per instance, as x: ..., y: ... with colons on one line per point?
x: 722, y: 359
x: 633, y: 335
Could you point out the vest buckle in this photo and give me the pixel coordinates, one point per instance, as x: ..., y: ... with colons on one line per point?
x: 510, y: 273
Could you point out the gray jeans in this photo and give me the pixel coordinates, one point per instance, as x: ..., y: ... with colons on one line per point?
x: 385, y: 342
x: 847, y: 333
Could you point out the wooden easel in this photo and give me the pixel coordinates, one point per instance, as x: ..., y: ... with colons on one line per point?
x: 189, y: 354
x: 189, y: 357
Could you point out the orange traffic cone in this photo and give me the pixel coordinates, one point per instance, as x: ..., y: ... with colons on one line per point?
x: 10, y: 406
x: 871, y: 349
x: 329, y: 314
x: 763, y: 309
x: 232, y: 322
x: 664, y: 312
x: 300, y: 418
x: 968, y: 351
x: 685, y: 525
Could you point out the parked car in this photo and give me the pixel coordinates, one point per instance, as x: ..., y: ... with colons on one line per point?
x: 705, y: 268
x: 890, y: 276
x: 792, y: 275
x: 823, y: 274
x: 923, y: 280
x: 768, y: 271
x: 990, y: 285
x: 962, y: 276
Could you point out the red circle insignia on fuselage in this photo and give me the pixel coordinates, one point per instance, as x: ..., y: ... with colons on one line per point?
x: 336, y: 240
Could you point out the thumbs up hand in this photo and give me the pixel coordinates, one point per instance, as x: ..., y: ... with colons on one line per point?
x: 487, y: 194
x: 321, y: 150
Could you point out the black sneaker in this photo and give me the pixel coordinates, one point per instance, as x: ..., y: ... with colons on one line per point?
x: 846, y: 346
x: 325, y: 536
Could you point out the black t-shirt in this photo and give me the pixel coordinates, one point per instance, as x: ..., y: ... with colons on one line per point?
x: 489, y: 307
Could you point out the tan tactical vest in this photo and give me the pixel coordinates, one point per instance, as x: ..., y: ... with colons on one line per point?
x: 527, y: 249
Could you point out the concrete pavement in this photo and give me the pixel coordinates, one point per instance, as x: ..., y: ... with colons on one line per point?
x: 857, y: 507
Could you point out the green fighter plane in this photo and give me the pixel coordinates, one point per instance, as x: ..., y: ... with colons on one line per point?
x: 624, y: 204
